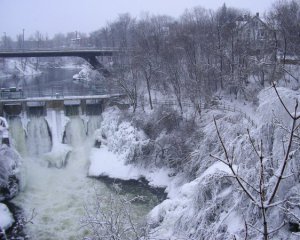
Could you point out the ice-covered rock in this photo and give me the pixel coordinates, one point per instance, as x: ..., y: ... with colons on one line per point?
x: 58, y: 157
x: 86, y: 74
x: 10, y: 163
x: 6, y: 219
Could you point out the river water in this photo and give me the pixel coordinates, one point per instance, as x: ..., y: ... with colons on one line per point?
x: 56, y: 190
x: 51, y: 80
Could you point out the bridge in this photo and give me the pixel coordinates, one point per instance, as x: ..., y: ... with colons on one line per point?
x: 14, y: 101
x: 87, y: 54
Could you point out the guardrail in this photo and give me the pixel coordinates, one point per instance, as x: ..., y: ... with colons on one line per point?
x: 54, y: 92
x: 227, y: 107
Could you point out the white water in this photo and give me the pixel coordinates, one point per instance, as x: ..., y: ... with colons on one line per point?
x: 57, y: 195
x: 38, y: 137
x: 18, y: 135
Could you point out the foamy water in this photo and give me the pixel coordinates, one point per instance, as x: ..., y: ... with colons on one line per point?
x: 58, y: 197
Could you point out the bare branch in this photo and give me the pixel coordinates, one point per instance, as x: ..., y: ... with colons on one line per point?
x: 231, y: 167
x: 278, y: 228
x: 287, y: 154
x: 255, y: 228
x: 281, y: 101
x: 246, y: 230
x: 252, y: 144
x: 221, y: 141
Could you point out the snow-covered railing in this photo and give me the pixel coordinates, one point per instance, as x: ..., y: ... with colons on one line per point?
x: 227, y: 107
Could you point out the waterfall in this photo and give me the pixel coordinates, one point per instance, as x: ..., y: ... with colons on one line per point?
x: 58, y: 191
x: 18, y: 135
x: 94, y: 123
x: 57, y: 122
x: 75, y: 133
x: 39, y: 140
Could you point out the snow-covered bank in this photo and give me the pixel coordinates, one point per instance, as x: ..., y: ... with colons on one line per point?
x: 10, y: 176
x: 11, y: 180
x: 107, y: 163
x: 213, y: 206
x: 86, y: 74
x: 204, y: 199
x: 18, y: 67
x: 120, y: 142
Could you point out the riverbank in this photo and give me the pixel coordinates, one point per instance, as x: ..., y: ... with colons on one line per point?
x: 26, y: 67
x: 201, y: 191
x: 18, y: 67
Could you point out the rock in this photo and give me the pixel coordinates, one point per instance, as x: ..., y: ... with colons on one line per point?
x: 6, y: 219
x: 10, y: 163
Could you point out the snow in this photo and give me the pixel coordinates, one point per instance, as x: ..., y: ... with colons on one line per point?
x: 57, y: 121
x: 106, y: 163
x: 119, y: 143
x: 86, y: 74
x: 6, y: 219
x: 17, y: 67
x: 217, y: 166
x: 70, y: 66
x: 120, y: 139
x: 189, y: 204
x: 234, y: 222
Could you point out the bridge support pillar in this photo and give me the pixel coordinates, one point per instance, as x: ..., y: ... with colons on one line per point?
x: 1, y: 109
x: 83, y: 106
x: 93, y: 61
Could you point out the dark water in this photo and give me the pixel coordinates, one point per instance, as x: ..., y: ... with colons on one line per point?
x: 51, y: 82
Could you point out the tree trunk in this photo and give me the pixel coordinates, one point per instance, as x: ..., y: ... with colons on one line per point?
x: 149, y: 92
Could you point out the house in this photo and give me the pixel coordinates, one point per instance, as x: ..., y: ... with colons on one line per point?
x: 254, y: 35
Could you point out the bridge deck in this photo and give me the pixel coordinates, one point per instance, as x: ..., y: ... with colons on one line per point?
x: 59, y: 98
x: 58, y: 53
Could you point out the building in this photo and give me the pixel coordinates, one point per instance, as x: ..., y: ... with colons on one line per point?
x: 255, y: 36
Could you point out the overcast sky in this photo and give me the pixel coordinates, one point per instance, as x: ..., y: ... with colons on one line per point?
x: 53, y: 16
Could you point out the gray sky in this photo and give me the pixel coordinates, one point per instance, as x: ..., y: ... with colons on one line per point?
x: 53, y: 16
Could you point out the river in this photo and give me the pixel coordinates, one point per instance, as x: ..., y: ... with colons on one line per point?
x: 50, y: 81
x: 56, y: 189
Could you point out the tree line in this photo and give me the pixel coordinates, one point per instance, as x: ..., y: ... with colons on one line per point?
x: 202, y: 52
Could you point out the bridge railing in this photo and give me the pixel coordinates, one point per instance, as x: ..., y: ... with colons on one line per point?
x: 59, y: 49
x: 54, y: 92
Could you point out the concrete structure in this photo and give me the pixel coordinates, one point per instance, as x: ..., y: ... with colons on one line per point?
x: 72, y: 105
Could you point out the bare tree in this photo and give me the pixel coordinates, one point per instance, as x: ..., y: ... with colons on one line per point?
x: 263, y: 194
x: 114, y: 220
x: 285, y: 18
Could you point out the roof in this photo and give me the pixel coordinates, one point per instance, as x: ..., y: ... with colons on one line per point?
x: 244, y: 22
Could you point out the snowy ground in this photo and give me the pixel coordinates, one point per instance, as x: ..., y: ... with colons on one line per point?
x: 107, y: 163
x: 118, y: 142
